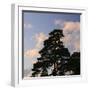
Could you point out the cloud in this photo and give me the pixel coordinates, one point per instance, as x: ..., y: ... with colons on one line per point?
x: 72, y: 42
x: 58, y: 21
x: 67, y: 39
x: 33, y: 62
x: 31, y: 53
x: 67, y: 25
x: 71, y: 32
x: 40, y: 37
x: 28, y: 25
x: 71, y: 26
x: 77, y: 46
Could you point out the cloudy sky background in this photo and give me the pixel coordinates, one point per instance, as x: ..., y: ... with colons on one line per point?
x: 37, y: 25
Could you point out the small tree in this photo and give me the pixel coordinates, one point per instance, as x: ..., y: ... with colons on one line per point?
x: 74, y: 63
x: 53, y: 55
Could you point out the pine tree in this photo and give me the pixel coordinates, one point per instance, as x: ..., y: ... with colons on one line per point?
x: 53, y: 54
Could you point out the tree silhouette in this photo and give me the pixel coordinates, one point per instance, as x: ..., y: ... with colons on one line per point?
x: 54, y: 55
x: 74, y: 63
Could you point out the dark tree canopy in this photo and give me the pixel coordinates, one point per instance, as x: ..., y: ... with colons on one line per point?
x: 56, y: 56
x: 74, y: 63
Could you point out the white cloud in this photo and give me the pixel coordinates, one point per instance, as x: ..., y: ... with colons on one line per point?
x: 31, y: 53
x: 67, y: 25
x: 77, y: 46
x: 71, y: 26
x: 72, y: 42
x: 28, y: 25
x: 71, y: 32
x: 67, y: 39
x: 39, y: 39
